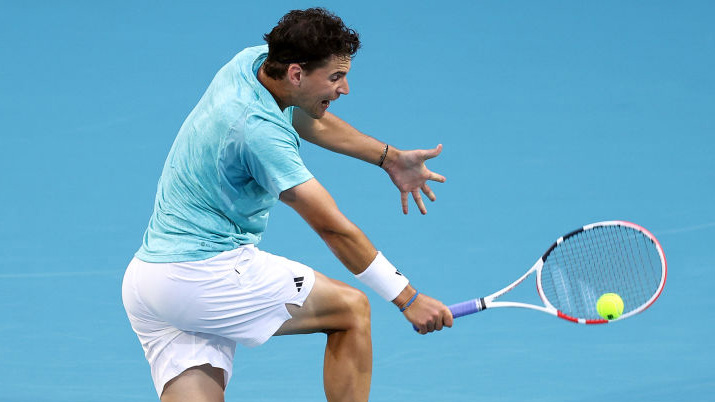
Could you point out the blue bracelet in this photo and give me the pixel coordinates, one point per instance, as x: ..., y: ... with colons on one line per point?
x: 409, y: 303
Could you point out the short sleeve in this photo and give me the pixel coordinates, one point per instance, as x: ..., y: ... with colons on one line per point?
x: 270, y: 154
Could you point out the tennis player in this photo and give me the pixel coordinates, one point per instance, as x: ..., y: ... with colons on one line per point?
x: 199, y: 285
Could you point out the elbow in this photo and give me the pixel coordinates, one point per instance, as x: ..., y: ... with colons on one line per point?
x: 336, y: 232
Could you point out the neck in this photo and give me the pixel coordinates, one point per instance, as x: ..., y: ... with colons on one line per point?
x: 276, y: 87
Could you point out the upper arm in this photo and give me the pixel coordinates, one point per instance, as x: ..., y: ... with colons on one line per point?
x: 305, y: 125
x: 314, y: 130
x: 271, y: 156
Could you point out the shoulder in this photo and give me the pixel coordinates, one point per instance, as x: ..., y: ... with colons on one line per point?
x: 260, y: 131
x: 235, y: 87
x: 252, y: 53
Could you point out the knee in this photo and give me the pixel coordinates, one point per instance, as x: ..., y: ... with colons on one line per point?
x: 359, y: 308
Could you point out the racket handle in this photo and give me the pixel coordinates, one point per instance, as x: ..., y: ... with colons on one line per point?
x: 464, y: 308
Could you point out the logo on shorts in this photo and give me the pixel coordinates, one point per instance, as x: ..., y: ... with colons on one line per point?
x: 298, y: 283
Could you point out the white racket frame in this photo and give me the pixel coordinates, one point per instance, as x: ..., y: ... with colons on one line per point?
x: 489, y: 301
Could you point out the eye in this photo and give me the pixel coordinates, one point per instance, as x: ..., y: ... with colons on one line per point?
x: 335, y: 77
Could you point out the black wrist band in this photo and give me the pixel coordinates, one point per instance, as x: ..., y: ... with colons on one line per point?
x: 384, y: 154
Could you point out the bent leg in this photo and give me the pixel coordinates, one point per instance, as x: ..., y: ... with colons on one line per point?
x: 196, y: 384
x: 343, y: 313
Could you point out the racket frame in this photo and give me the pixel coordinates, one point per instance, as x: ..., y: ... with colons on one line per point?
x: 476, y: 305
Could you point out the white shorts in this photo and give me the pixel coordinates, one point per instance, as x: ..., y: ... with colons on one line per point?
x: 188, y: 314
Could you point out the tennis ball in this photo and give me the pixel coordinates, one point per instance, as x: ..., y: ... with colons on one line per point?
x: 610, y: 306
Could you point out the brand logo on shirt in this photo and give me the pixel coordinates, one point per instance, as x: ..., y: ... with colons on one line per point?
x: 298, y: 282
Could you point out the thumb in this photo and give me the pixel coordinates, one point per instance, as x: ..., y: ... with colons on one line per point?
x: 431, y: 153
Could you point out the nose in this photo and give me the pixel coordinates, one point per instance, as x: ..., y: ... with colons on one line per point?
x: 344, y: 88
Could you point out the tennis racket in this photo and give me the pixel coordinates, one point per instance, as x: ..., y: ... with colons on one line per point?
x: 605, y: 257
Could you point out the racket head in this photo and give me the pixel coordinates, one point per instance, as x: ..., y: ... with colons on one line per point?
x: 605, y: 257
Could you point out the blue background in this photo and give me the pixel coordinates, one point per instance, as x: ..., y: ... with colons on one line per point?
x: 552, y: 115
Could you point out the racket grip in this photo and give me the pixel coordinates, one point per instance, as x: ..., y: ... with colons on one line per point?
x: 464, y: 308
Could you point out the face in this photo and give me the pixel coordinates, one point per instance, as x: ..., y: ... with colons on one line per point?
x: 319, y: 87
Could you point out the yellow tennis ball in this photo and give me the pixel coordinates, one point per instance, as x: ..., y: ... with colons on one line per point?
x: 610, y: 306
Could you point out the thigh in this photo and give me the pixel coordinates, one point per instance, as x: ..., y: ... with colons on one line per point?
x: 240, y: 295
x: 170, y: 351
x: 331, y: 305
x: 197, y: 384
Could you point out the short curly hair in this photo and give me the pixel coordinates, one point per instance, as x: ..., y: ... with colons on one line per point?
x: 308, y: 37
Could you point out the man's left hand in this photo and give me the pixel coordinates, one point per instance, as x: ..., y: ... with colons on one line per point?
x: 408, y: 171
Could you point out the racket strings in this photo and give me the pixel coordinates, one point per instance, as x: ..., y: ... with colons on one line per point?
x: 603, y: 259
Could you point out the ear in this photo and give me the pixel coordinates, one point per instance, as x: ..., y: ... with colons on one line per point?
x: 295, y: 74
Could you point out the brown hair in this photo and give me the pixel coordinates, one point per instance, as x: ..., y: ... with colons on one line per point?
x: 308, y: 37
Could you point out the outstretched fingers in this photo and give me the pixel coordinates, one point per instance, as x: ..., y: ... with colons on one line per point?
x: 428, y: 192
x: 418, y: 200
x: 436, y: 177
x: 404, y: 198
x: 410, y: 175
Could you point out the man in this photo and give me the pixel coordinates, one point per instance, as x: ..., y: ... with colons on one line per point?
x: 198, y: 284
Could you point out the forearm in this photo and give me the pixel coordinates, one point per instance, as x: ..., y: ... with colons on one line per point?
x: 343, y: 237
x: 334, y: 134
x: 346, y: 240
x: 350, y: 246
x: 356, y: 252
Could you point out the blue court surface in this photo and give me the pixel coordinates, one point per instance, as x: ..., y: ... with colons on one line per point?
x: 552, y: 115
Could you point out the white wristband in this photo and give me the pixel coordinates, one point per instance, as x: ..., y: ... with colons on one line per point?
x: 383, y: 278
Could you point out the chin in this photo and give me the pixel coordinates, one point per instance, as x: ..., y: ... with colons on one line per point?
x: 318, y: 114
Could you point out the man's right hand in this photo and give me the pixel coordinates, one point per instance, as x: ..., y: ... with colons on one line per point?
x: 428, y: 314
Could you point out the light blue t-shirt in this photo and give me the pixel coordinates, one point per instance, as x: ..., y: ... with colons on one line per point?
x: 233, y: 156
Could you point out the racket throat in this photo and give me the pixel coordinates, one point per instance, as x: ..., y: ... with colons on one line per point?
x: 481, y: 304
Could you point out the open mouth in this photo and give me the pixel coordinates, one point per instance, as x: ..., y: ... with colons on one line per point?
x: 325, y: 104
